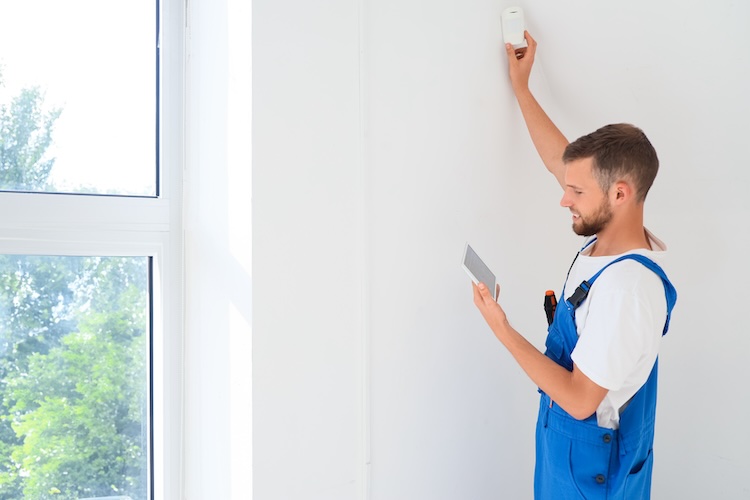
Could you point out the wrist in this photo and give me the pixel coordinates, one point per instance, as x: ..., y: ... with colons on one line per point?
x: 502, y: 329
x: 522, y: 91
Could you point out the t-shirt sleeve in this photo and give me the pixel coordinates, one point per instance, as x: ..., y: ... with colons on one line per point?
x: 617, y: 336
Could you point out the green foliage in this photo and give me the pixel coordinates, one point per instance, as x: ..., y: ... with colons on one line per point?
x: 38, y: 311
x: 77, y: 407
x: 25, y: 136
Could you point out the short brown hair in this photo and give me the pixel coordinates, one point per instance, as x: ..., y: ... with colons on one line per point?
x: 619, y: 151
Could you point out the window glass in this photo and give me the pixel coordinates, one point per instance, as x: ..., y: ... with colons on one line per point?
x: 74, y: 377
x: 78, y: 96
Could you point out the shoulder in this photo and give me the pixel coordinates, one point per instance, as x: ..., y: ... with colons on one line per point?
x: 629, y: 285
x: 628, y: 275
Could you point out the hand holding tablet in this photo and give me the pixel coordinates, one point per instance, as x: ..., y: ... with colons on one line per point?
x: 478, y: 270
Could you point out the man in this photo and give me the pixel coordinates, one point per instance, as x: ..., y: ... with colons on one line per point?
x: 597, y: 377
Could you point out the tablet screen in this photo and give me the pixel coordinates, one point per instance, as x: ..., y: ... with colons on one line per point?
x: 478, y: 270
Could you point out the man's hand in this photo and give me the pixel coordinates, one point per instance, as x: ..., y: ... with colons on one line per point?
x: 491, y: 311
x: 520, y: 62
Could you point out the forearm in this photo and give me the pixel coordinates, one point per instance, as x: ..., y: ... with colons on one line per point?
x: 558, y: 383
x: 549, y: 142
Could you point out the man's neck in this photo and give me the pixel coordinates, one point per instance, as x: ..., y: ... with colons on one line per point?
x: 617, y: 239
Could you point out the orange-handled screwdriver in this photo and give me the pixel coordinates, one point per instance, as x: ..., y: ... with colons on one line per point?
x: 550, y: 304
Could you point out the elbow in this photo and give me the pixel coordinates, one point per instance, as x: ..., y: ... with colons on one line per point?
x: 581, y: 410
x: 582, y: 413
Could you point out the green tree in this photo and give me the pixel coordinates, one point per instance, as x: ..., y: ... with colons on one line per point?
x: 80, y: 407
x: 77, y: 405
x: 25, y: 136
x: 73, y: 348
x: 36, y: 312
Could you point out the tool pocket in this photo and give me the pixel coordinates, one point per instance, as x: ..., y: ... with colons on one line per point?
x: 557, y: 349
x: 554, y: 344
x: 562, y: 337
x: 638, y: 482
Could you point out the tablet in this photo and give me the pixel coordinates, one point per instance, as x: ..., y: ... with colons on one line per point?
x: 478, y: 270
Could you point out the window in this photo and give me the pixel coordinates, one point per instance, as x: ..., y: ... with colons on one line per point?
x: 91, y: 298
x: 74, y: 344
x: 78, y: 86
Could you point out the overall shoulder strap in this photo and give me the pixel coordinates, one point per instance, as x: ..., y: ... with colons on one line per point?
x: 582, y: 291
x: 587, y: 244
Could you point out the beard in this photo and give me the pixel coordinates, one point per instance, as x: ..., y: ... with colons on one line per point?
x: 594, y: 223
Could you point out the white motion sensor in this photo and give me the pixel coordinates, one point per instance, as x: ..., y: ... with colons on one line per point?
x: 513, y: 27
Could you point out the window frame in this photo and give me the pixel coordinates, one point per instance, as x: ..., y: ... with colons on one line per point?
x: 113, y: 225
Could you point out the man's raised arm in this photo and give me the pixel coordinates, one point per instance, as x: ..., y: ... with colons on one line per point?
x: 550, y: 143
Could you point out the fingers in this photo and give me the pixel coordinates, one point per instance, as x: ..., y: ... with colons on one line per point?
x: 520, y: 53
x: 491, y: 310
x: 531, y: 50
x: 512, y: 55
x: 484, y: 293
x: 529, y: 40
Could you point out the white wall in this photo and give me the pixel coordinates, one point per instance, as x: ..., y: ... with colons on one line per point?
x: 442, y: 156
x: 307, y: 251
x: 217, y: 461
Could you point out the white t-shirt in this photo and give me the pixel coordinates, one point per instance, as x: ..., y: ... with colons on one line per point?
x: 619, y: 325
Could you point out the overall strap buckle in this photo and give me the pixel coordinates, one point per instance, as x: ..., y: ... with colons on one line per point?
x: 580, y: 294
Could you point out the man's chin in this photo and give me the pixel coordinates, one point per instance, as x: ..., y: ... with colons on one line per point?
x: 582, y: 230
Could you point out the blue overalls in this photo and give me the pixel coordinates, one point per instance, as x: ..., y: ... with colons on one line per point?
x: 577, y: 459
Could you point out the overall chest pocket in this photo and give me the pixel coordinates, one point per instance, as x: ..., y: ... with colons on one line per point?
x: 554, y: 344
x: 556, y: 347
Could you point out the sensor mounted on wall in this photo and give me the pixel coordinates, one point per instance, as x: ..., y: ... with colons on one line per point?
x: 513, y: 27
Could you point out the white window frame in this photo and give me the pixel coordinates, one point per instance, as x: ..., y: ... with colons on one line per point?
x: 84, y: 225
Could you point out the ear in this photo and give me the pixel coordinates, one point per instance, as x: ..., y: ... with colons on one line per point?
x: 622, y: 192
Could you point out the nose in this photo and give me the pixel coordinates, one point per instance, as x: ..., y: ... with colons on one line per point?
x: 565, y: 200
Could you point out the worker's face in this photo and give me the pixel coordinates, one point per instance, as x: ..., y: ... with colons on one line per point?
x: 590, y: 206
